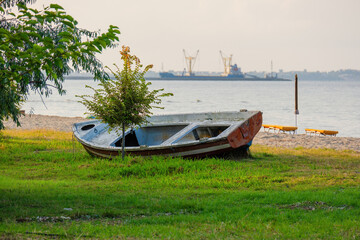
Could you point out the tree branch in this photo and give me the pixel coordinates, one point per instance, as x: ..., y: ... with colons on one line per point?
x: 42, y: 99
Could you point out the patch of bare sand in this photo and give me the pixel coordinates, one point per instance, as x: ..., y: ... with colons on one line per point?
x: 262, y: 138
x: 35, y: 121
x: 307, y: 141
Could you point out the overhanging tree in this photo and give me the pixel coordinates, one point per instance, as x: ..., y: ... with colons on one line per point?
x: 39, y: 47
x: 126, y: 101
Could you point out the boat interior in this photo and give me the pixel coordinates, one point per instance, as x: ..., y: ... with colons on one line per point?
x: 152, y: 135
x: 171, y: 134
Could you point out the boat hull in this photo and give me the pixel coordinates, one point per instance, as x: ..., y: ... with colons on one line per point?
x: 238, y: 136
x: 195, y: 151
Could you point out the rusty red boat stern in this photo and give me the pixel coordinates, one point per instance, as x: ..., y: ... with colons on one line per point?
x: 244, y: 134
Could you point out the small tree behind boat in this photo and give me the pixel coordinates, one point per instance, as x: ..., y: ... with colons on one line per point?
x: 127, y: 100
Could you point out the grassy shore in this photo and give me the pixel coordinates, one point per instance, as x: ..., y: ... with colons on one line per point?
x: 51, y: 188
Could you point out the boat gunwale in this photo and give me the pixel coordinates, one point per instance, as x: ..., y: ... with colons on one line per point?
x: 154, y: 147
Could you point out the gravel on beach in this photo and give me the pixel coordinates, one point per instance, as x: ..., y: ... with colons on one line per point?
x: 262, y: 138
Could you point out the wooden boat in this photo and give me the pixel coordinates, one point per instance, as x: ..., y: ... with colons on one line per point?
x: 186, y: 135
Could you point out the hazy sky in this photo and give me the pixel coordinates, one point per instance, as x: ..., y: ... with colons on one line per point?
x: 295, y: 34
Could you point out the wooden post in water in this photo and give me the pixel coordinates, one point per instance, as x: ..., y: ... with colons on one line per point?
x: 296, y: 99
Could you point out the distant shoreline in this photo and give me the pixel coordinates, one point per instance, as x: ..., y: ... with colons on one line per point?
x: 198, y: 78
x: 337, y: 75
x: 64, y: 124
x: 216, y: 78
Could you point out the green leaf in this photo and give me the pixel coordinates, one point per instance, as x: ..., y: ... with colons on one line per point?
x: 67, y: 23
x: 60, y: 50
x: 21, y: 6
x: 40, y: 19
x: 66, y: 35
x: 103, y: 43
x: 34, y: 10
x: 56, y: 6
x: 31, y: 22
x: 70, y: 18
x: 67, y: 40
x: 24, y: 36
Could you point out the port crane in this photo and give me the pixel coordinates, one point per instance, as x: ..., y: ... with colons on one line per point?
x: 227, y: 63
x: 190, y: 62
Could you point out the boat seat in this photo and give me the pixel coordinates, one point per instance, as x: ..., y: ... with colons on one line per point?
x: 321, y: 132
x: 279, y: 128
x: 180, y: 134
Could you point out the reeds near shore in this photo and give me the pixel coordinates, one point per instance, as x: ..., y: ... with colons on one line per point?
x: 50, y: 187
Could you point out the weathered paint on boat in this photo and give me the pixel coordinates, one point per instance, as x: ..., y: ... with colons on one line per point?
x: 185, y: 135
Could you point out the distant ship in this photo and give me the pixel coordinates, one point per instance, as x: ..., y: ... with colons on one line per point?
x: 231, y: 72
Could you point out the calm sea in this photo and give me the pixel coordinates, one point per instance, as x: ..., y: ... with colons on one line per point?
x: 331, y: 105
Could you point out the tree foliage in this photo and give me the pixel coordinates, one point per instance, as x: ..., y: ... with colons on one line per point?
x: 39, y: 47
x: 127, y: 100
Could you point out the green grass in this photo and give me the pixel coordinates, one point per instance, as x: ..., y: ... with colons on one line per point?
x: 277, y: 194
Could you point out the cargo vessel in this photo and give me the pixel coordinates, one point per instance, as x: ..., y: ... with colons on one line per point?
x: 231, y: 73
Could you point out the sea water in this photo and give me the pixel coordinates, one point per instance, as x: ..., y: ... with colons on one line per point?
x: 330, y: 105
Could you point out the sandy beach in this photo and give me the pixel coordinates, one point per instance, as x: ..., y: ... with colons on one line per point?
x: 262, y: 138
